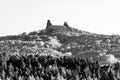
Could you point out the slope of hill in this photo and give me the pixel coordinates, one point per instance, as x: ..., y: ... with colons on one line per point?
x: 63, y: 39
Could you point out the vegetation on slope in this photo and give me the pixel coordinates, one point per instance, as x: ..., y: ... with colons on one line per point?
x: 65, y: 39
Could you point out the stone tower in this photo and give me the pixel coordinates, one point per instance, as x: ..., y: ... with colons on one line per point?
x: 65, y: 24
x: 49, y: 23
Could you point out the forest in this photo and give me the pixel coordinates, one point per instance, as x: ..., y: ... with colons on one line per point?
x: 36, y: 67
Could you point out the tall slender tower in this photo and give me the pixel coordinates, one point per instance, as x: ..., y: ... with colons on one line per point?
x: 49, y: 23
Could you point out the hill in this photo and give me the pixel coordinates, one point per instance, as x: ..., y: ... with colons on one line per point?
x: 64, y: 40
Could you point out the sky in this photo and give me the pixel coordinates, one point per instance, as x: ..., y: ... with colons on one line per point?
x: 96, y: 16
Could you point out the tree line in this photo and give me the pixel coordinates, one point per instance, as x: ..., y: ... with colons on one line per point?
x: 36, y: 67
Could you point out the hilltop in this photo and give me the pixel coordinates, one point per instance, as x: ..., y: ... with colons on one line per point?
x: 63, y: 39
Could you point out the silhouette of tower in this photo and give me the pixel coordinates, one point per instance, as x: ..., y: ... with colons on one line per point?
x: 65, y: 24
x: 49, y: 23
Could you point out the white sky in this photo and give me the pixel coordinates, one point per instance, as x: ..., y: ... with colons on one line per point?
x: 97, y: 16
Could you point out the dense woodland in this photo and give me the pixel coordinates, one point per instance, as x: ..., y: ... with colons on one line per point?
x: 36, y: 67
